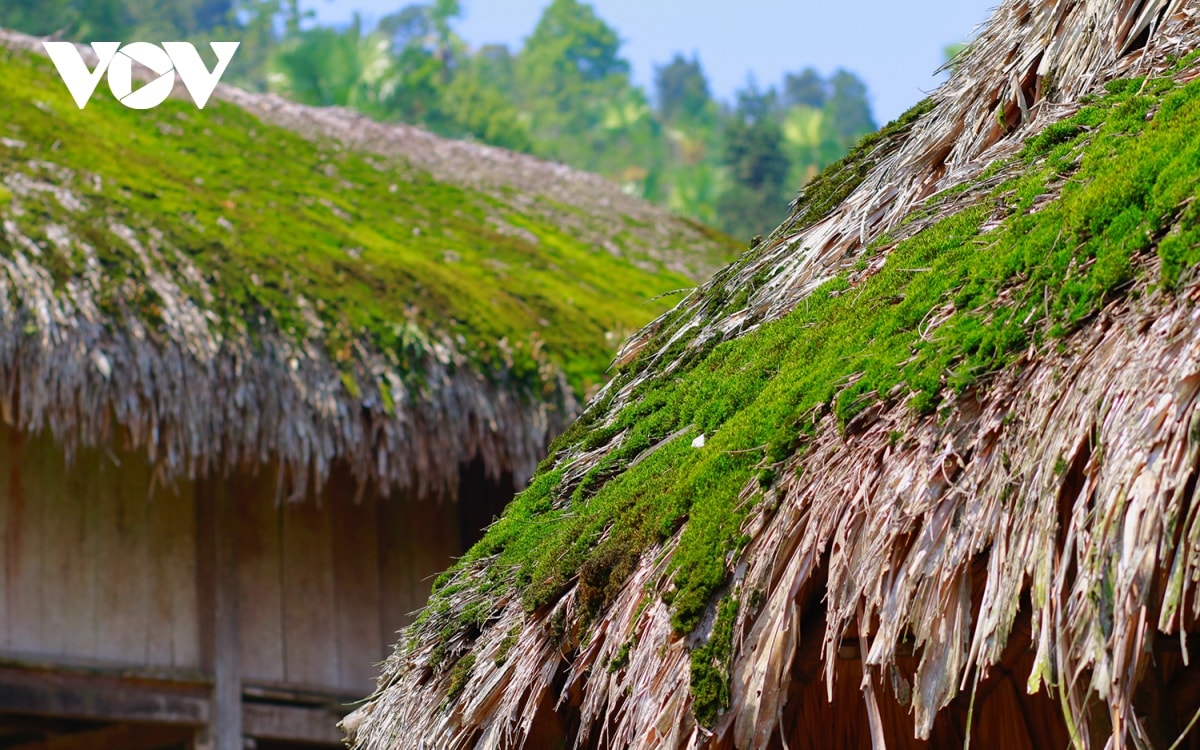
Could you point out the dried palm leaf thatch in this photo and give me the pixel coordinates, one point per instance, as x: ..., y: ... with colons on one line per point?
x: 266, y: 282
x: 240, y: 404
x: 1045, y: 505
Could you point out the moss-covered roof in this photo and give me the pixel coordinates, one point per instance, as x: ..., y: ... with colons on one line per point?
x: 961, y: 376
x: 242, y: 283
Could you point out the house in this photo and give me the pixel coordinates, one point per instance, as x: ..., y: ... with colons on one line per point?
x: 260, y: 381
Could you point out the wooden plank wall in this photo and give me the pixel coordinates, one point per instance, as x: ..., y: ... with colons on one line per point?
x: 260, y: 592
x: 417, y: 541
x: 95, y: 566
x: 357, y: 593
x: 325, y: 584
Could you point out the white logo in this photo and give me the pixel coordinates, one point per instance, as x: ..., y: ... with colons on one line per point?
x: 117, y: 61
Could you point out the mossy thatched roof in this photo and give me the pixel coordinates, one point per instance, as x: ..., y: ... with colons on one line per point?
x: 959, y: 387
x: 261, y: 281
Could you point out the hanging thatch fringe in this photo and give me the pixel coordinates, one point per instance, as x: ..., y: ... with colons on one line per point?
x: 198, y: 404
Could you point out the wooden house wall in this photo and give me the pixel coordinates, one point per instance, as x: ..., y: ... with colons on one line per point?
x: 324, y: 585
x: 96, y: 562
x: 100, y: 564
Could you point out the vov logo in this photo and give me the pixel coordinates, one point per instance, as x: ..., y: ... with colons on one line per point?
x: 166, y: 61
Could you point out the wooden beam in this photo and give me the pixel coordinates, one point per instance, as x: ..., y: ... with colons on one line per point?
x: 87, y: 696
x: 216, y: 572
x: 266, y: 721
x: 280, y: 693
x: 71, y: 665
x: 117, y: 737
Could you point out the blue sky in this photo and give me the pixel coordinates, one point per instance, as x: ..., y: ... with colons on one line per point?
x: 894, y: 46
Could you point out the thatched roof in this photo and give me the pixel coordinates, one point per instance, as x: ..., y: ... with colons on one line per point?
x: 266, y: 282
x: 949, y: 412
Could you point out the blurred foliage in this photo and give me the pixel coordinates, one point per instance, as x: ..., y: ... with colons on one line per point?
x: 952, y: 51
x: 755, y: 158
x: 566, y: 94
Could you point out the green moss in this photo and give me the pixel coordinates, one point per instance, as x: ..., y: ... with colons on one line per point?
x: 1060, y: 466
x: 1185, y: 62
x: 620, y: 660
x: 459, y: 676
x: 351, y: 385
x: 766, y: 478
x: 506, y: 646
x: 385, y: 395
x: 712, y: 665
x: 385, y: 255
x: 1054, y: 135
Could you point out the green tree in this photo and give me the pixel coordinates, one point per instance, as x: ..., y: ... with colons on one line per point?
x: 632, y: 143
x: 82, y: 20
x: 803, y: 134
x: 692, y: 178
x: 327, y: 67
x: 495, y: 66
x: 253, y: 27
x: 951, y: 51
x: 426, y: 28
x: 695, y: 190
x: 847, y: 115
x: 480, y: 110
x: 804, y: 89
x: 161, y: 20
x: 753, y: 202
x: 753, y: 139
x: 480, y: 100
x: 571, y: 45
x: 427, y: 55
x: 566, y: 94
x: 89, y: 20
x: 251, y: 22
x: 568, y: 74
x: 952, y: 56
x: 682, y: 90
